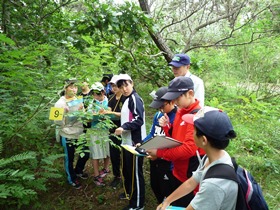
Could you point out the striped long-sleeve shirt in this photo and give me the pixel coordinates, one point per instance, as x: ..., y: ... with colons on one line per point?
x: 133, y: 120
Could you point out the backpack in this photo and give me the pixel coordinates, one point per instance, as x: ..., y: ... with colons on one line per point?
x: 250, y: 195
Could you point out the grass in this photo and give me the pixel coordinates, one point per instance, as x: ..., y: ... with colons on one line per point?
x: 62, y: 196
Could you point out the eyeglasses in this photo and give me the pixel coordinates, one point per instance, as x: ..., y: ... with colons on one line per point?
x: 164, y: 105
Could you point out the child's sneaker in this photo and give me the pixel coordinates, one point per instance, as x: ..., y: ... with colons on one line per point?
x: 83, y: 175
x: 76, y: 185
x: 103, y: 172
x: 98, y: 181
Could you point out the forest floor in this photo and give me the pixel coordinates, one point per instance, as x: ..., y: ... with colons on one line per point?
x: 62, y: 196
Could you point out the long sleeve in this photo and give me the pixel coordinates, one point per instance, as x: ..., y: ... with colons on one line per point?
x: 154, y: 125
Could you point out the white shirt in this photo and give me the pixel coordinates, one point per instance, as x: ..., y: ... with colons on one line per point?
x: 199, y: 91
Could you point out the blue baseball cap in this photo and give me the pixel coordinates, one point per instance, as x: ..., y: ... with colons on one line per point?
x: 180, y: 60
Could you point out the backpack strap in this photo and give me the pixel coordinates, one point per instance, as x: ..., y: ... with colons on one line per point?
x: 222, y: 171
x: 225, y: 171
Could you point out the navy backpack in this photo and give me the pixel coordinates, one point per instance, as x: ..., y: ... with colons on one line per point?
x: 250, y: 195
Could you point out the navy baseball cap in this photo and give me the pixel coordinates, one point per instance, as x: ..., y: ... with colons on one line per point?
x: 180, y: 60
x: 212, y: 122
x: 157, y: 102
x: 177, y: 87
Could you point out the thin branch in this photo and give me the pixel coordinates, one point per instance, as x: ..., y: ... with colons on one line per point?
x: 236, y: 29
x: 216, y: 20
x: 226, y: 45
x: 183, y: 19
x: 57, y: 8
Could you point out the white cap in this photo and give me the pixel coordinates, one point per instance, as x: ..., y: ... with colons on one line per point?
x: 123, y: 77
x: 114, y: 79
x: 97, y: 86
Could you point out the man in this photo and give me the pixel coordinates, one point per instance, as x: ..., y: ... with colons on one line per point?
x: 184, y: 158
x: 181, y: 67
x: 70, y: 128
x: 160, y: 169
x: 213, y: 131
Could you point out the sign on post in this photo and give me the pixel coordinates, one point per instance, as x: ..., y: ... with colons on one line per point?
x: 56, y: 113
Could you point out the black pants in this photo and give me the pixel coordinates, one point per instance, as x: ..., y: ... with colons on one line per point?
x: 173, y: 185
x: 160, y: 173
x: 69, y: 151
x: 115, y: 155
x: 184, y: 201
x: 133, y: 178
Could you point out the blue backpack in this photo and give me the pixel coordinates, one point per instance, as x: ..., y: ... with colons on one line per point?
x: 250, y: 195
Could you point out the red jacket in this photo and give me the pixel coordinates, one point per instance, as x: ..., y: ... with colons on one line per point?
x: 180, y: 155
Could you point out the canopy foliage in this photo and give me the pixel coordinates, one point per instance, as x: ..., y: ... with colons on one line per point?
x: 234, y: 46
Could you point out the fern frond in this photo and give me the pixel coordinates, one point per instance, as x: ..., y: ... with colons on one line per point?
x: 1, y: 145
x: 18, y: 157
x: 50, y: 159
x: 11, y: 174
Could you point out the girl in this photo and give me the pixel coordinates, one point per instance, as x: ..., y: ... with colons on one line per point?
x: 99, y: 146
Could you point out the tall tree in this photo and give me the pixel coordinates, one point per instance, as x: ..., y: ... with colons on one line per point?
x: 183, y: 26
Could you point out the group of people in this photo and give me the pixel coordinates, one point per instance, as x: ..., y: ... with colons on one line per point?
x: 176, y: 174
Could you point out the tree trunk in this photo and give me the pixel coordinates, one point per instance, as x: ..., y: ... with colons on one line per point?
x: 157, y: 38
x: 3, y: 24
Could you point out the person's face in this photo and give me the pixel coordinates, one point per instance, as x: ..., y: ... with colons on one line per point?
x: 200, y: 141
x: 115, y: 88
x: 184, y: 100
x: 197, y: 140
x: 180, y: 71
x: 126, y: 88
x: 167, y: 106
x: 71, y: 90
x: 98, y: 95
x: 84, y: 85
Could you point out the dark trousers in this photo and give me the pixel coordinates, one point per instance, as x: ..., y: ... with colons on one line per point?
x: 69, y: 151
x: 160, y: 173
x: 133, y: 178
x: 184, y: 201
x: 115, y: 155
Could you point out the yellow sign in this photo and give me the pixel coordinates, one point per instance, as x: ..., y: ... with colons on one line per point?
x: 56, y: 113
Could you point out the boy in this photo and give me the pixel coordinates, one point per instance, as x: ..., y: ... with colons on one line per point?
x: 213, y: 130
x: 70, y: 129
x: 133, y: 131
x: 160, y: 170
x: 181, y: 67
x: 183, y: 157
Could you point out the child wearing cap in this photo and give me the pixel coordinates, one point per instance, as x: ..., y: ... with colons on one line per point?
x: 213, y: 130
x: 181, y: 67
x: 160, y: 169
x: 99, y: 146
x: 69, y: 130
x: 183, y: 157
x: 132, y: 130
